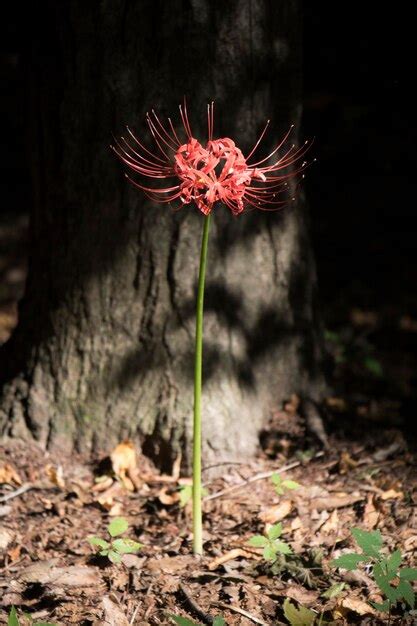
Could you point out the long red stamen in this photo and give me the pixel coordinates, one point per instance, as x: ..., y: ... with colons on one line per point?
x: 144, y: 147
x: 218, y: 172
x: 276, y: 149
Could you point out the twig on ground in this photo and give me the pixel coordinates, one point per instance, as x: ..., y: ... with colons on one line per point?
x: 236, y: 609
x: 18, y: 492
x: 134, y: 614
x: 231, y: 555
x: 207, y: 619
x: 152, y: 602
x: 261, y: 476
x: 207, y: 467
x: 11, y: 566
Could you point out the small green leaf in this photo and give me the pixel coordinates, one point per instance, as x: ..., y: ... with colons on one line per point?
x: 126, y: 546
x: 282, y: 547
x: 269, y: 553
x: 393, y: 563
x: 98, y: 542
x: 290, y: 484
x: 219, y: 621
x: 114, y: 556
x: 408, y: 573
x: 258, y: 541
x: 333, y: 591
x: 405, y: 590
x: 348, y: 561
x: 118, y: 526
x: 277, y: 481
x: 182, y: 621
x: 369, y: 541
x: 331, y: 335
x: 305, y: 455
x: 382, y: 606
x: 300, y: 616
x: 373, y: 366
x: 275, y: 531
x: 186, y: 492
x: 13, y: 619
x: 104, y: 552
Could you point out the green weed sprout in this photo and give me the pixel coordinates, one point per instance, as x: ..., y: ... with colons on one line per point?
x: 281, y: 486
x: 271, y: 543
x: 13, y: 620
x: 392, y: 580
x: 186, y: 493
x: 116, y: 546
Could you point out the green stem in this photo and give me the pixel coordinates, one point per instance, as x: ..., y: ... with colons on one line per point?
x: 198, y: 370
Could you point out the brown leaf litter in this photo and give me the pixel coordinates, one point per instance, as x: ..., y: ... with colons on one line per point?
x: 48, y: 568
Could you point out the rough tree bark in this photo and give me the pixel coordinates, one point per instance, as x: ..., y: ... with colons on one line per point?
x: 104, y: 345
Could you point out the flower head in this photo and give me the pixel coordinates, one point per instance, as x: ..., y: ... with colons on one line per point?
x: 218, y: 172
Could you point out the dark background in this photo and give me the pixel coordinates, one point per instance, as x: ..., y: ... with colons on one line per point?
x: 358, y: 82
x: 358, y: 104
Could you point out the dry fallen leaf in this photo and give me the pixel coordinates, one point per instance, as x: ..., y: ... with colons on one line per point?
x: 410, y: 543
x: 14, y: 553
x: 276, y: 513
x: 230, y: 556
x: 392, y: 494
x: 370, y: 515
x: 335, y: 502
x: 107, y: 498
x: 167, y: 496
x: 357, y: 605
x: 8, y: 474
x: 171, y: 564
x: 133, y: 561
x: 80, y: 490
x: 113, y: 615
x: 116, y: 510
x: 6, y: 537
x: 346, y: 463
x: 5, y: 510
x: 46, y: 572
x: 124, y: 463
x: 332, y: 524
x: 306, y: 597
x: 55, y: 475
x: 102, y: 483
x: 296, y: 523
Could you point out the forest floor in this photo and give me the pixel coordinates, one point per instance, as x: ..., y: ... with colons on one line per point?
x: 49, y: 507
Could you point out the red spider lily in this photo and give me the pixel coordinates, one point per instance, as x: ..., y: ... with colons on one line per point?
x: 217, y: 173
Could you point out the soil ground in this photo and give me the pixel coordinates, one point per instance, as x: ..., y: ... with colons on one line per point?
x: 49, y: 569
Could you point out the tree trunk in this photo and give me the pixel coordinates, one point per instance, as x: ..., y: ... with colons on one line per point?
x: 104, y: 347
